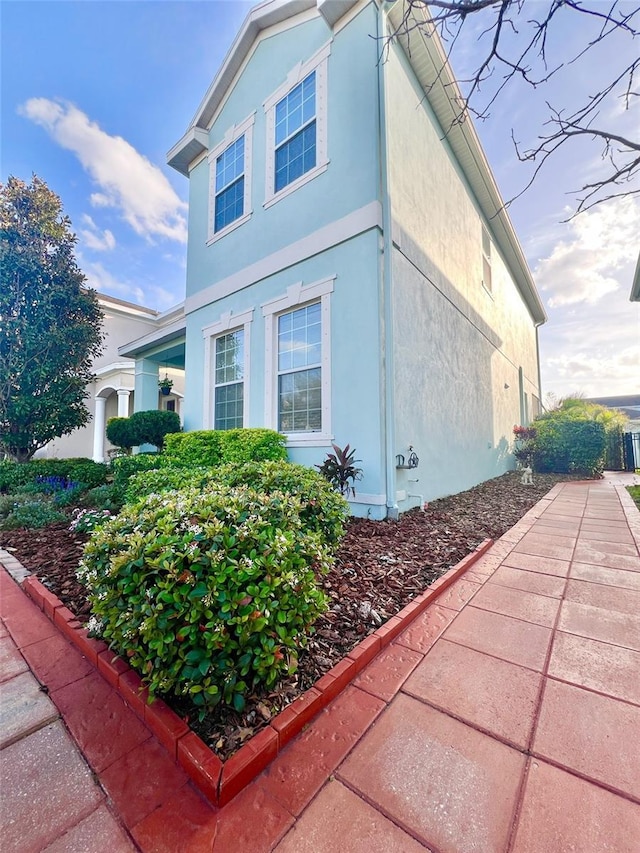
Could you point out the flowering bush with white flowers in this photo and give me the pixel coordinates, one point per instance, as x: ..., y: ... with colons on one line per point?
x: 323, y: 510
x: 209, y: 592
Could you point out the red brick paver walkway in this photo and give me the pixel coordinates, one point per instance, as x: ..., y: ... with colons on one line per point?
x: 505, y: 718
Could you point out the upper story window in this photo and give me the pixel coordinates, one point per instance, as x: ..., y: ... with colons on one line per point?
x: 227, y: 346
x: 296, y: 117
x: 230, y: 180
x: 486, y: 259
x: 297, y: 363
x: 229, y: 201
x: 296, y: 133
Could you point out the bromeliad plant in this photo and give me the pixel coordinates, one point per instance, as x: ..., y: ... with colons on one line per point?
x: 209, y: 592
x: 340, y: 470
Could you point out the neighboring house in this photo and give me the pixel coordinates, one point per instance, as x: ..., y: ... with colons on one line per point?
x: 352, y: 274
x: 112, y: 393
x: 628, y: 404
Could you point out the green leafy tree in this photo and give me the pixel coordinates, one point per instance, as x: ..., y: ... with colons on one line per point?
x: 50, y: 323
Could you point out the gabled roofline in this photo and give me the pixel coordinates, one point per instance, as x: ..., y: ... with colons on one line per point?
x: 431, y: 67
x: 635, y: 287
x: 428, y: 59
x: 264, y: 15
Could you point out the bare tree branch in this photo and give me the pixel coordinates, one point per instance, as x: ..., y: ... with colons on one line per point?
x: 515, y: 47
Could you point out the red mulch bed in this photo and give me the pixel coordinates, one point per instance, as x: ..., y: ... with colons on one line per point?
x: 380, y: 567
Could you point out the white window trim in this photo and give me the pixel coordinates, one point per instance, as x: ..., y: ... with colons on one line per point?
x: 235, y: 132
x: 487, y: 258
x: 318, y: 63
x: 297, y: 296
x: 228, y: 322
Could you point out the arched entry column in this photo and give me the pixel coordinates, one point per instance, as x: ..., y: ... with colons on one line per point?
x: 99, y: 425
x: 123, y: 402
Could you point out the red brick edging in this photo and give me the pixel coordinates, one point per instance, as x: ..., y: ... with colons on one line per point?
x: 221, y: 781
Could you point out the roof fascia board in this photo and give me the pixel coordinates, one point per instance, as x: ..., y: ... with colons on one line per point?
x: 193, y: 144
x: 268, y: 32
x: 153, y: 339
x: 439, y: 85
x: 261, y: 22
x: 120, y: 306
x: 635, y: 288
x: 259, y: 18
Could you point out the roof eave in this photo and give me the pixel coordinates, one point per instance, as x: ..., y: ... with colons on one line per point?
x: 194, y: 143
x: 261, y: 17
x: 429, y: 62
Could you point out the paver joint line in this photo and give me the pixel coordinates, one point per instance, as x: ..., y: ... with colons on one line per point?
x: 381, y: 668
x: 286, y: 725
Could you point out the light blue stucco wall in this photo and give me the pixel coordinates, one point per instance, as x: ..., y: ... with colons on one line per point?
x: 458, y: 348
x: 355, y: 351
x: 352, y: 178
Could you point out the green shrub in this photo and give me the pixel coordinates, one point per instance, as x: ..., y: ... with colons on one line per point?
x: 151, y: 427
x: 194, y: 449
x: 77, y: 470
x: 89, y: 520
x: 120, y: 434
x: 209, y: 447
x: 23, y: 511
x: 70, y: 496
x: 323, y: 510
x: 168, y: 479
x: 124, y: 467
x: 569, y: 445
x: 102, y: 497
x: 208, y: 594
x: 255, y: 444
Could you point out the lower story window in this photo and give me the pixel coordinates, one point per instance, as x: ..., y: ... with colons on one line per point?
x: 228, y: 407
x: 299, y: 370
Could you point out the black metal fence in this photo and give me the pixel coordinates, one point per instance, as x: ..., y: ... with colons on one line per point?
x: 623, y: 451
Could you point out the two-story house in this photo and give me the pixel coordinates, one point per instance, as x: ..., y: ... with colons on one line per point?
x: 352, y: 274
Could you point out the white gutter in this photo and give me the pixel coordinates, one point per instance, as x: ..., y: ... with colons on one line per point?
x: 387, y: 280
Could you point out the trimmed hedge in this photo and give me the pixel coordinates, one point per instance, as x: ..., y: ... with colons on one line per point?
x: 76, y: 470
x: 207, y: 448
x: 208, y: 593
x: 148, y: 427
x: 570, y: 446
x: 194, y: 449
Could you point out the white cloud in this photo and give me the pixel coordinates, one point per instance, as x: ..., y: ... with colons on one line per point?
x: 148, y: 295
x: 127, y: 181
x: 583, y: 266
x: 93, y: 238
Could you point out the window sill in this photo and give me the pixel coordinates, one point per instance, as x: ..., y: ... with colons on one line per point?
x: 308, y: 439
x: 488, y: 292
x: 294, y: 185
x: 229, y: 228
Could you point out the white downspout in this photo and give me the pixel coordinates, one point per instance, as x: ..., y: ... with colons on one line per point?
x: 389, y: 396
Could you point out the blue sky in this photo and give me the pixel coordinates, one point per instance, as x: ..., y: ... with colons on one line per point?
x: 95, y: 93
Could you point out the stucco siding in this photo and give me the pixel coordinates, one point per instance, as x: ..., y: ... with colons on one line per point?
x: 451, y: 403
x: 439, y: 224
x: 355, y: 359
x: 351, y: 179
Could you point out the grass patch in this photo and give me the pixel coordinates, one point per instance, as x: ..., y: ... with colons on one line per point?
x: 634, y: 491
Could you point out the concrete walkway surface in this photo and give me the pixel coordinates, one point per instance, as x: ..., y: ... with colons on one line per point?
x: 506, y: 718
